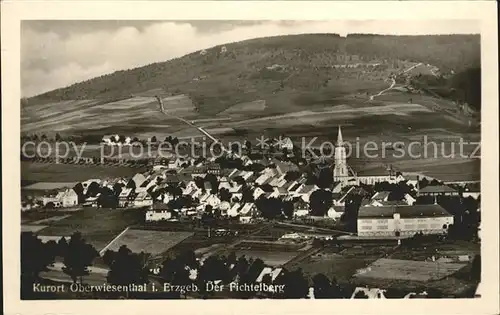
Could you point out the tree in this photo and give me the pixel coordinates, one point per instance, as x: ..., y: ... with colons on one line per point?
x: 292, y: 175
x: 224, y: 194
x: 475, y: 271
x: 125, y: 267
x: 248, y: 145
x: 322, y: 287
x: 153, y: 139
x: 58, y: 137
x: 107, y: 198
x: 295, y: 284
x: 321, y: 200
x: 36, y: 256
x: 288, y: 209
x: 78, y: 257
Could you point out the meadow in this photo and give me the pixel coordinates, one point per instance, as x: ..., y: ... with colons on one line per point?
x: 151, y: 242
x: 55, y: 173
x: 409, y: 270
x: 97, y: 225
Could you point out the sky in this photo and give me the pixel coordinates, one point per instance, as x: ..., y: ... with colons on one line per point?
x: 56, y: 54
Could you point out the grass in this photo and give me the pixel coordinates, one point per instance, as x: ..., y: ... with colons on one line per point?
x: 272, y: 258
x: 410, y: 270
x: 152, y: 242
x: 339, y: 265
x: 49, y: 172
x: 98, y: 226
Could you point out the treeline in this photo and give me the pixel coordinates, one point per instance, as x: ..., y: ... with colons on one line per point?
x: 463, y: 87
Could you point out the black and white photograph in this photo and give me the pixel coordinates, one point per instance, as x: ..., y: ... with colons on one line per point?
x: 176, y: 159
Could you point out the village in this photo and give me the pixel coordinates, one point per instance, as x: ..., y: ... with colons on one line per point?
x: 232, y: 204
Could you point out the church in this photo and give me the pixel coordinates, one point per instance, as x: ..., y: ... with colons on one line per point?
x: 346, y: 176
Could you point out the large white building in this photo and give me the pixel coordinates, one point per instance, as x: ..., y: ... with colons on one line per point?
x: 403, y: 221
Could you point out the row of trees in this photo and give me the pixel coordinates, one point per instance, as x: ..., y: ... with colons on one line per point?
x: 183, y: 268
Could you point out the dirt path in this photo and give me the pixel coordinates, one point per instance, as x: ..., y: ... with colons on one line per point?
x: 393, y: 83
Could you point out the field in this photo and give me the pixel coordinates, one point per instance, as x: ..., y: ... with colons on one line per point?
x: 272, y: 258
x: 66, y: 117
x: 409, y: 270
x: 152, y: 242
x: 32, y: 228
x: 98, y: 226
x: 57, y: 173
x: 340, y: 265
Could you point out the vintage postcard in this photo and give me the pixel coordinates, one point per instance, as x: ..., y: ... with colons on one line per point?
x: 230, y: 151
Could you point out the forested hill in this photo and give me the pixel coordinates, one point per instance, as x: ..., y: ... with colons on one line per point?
x: 223, y: 75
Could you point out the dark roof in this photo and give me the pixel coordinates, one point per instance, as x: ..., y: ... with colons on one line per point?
x: 160, y: 206
x: 415, y: 211
x: 437, y: 189
x: 207, y: 186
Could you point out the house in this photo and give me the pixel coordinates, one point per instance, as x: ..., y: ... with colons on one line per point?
x: 438, y: 190
x: 403, y: 220
x: 158, y: 212
x: 286, y: 143
x: 235, y: 189
x: 109, y: 139
x: 353, y: 190
x: 212, y: 200
x: 213, y: 168
x: 225, y: 185
x: 258, y: 192
x: 263, y: 178
x: 381, y: 198
x: 92, y: 201
x: 126, y: 197
x: 414, y: 178
x: 138, y: 179
x: 245, y: 219
x: 268, y: 271
x: 374, y: 293
x: 472, y: 190
x: 306, y: 191
x: 271, y: 194
x: 208, y: 187
x: 284, y: 167
x: 292, y: 236
x: 143, y: 199
x: 300, y: 213
x: 194, y: 193
x: 335, y: 212
x: 25, y: 206
x: 68, y: 198
x: 234, y: 210
x: 174, y: 163
x: 248, y: 209
x: 224, y: 206
x: 278, y: 181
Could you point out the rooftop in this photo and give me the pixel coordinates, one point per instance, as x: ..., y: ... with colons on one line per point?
x: 437, y: 189
x: 415, y: 211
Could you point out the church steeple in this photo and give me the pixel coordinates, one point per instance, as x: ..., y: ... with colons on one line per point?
x: 340, y: 172
x: 340, y: 141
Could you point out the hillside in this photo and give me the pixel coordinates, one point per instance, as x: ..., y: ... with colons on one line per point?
x: 300, y: 85
x: 269, y: 68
